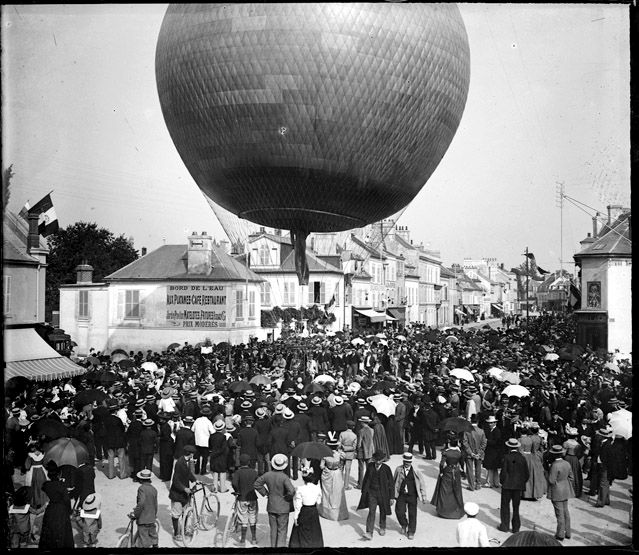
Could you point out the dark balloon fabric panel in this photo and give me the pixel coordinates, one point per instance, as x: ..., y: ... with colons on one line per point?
x: 317, y: 117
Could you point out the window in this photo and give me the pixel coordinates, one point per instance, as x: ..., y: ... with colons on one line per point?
x: 288, y: 293
x: 83, y: 305
x: 264, y: 255
x: 251, y: 304
x: 128, y: 304
x: 316, y: 292
x: 239, y: 305
x: 7, y: 293
x: 265, y: 293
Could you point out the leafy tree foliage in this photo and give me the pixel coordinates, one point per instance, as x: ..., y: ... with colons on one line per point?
x: 83, y: 243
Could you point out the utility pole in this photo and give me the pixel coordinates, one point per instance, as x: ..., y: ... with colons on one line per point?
x: 527, y: 296
x: 559, y: 202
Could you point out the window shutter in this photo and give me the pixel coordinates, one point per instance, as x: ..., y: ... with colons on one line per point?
x: 120, y: 313
x: 142, y: 308
x: 77, y: 305
x: 311, y: 292
x: 89, y: 307
x: 323, y: 293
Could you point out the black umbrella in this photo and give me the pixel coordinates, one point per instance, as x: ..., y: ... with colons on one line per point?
x: 49, y: 427
x: 312, y: 450
x: 384, y: 384
x: 119, y: 351
x: 92, y: 377
x: 222, y: 345
x: 456, y: 424
x: 87, y: 396
x: 566, y: 355
x: 67, y: 451
x: 173, y: 346
x: 237, y: 387
x: 93, y: 361
x: 530, y: 382
x: 313, y: 387
x: 126, y: 363
x: 108, y: 378
x: 531, y: 539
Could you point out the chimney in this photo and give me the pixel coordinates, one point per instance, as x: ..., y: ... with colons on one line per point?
x: 587, y: 241
x: 33, y: 239
x: 84, y: 273
x: 143, y: 251
x: 594, y: 225
x: 262, y: 230
x: 200, y: 258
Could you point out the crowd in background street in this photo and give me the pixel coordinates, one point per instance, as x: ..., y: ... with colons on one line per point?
x: 236, y: 414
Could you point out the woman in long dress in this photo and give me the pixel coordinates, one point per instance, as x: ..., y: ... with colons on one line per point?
x: 536, y: 484
x: 380, y: 443
x: 448, y: 497
x: 333, y: 505
x: 57, y: 532
x: 36, y: 477
x: 574, y: 452
x: 307, y: 530
x: 393, y: 436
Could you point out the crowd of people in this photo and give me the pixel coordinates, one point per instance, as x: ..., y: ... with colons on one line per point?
x: 236, y: 414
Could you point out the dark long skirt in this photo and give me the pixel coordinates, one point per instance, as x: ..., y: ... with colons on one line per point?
x: 578, y: 476
x: 393, y: 436
x: 166, y: 460
x: 308, y: 531
x: 447, y: 497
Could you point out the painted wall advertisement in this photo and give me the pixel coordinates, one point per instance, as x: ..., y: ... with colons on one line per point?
x: 196, y: 306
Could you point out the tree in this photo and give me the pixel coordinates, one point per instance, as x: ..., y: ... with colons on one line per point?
x: 83, y: 243
x: 7, y: 174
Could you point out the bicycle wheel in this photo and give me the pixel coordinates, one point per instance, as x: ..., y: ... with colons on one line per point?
x: 210, y: 511
x: 229, y: 527
x: 189, y: 526
x: 124, y: 542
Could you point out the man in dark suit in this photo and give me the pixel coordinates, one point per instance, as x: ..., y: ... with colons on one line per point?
x: 514, y: 475
x: 430, y: 430
x: 280, y: 490
x: 115, y: 442
x: 133, y: 442
x: 378, y: 489
x: 181, y: 488
x: 148, y: 443
x: 146, y: 510
x: 183, y: 436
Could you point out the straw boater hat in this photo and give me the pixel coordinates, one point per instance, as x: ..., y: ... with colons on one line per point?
x: 364, y: 419
x: 148, y: 422
x: 605, y: 432
x: 92, y: 502
x: 230, y: 427
x: 280, y: 408
x: 338, y: 400
x: 138, y: 412
x: 166, y: 393
x: 279, y: 461
x: 407, y: 457
x: 246, y: 405
x: 557, y: 450
x: 512, y: 443
x: 205, y: 411
x: 288, y: 414
x: 188, y: 420
x: 140, y: 403
x: 260, y: 412
x: 360, y: 401
x: 302, y: 407
x: 219, y: 425
x: 144, y: 474
x: 316, y: 400
x: 150, y: 397
x: 491, y: 418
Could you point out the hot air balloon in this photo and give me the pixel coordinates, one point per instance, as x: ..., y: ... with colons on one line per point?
x: 312, y: 116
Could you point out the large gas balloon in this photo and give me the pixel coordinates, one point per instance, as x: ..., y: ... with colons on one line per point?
x: 312, y: 117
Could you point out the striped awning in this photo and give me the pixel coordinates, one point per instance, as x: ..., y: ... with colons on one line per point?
x: 43, y: 369
x: 372, y: 314
x: 27, y: 354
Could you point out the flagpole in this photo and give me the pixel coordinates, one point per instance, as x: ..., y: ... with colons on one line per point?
x: 527, y: 297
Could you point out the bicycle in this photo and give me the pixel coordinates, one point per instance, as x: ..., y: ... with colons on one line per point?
x: 205, y: 518
x: 232, y: 522
x: 131, y: 538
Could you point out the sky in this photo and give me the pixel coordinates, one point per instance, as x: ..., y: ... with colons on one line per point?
x: 549, y: 103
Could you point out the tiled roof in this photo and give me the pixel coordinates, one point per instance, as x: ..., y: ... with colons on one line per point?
x: 286, y: 239
x: 170, y: 262
x: 15, y: 231
x: 615, y: 240
x: 373, y: 252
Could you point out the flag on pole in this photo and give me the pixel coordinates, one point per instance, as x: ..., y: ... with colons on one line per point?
x: 25, y: 210
x: 574, y: 298
x: 535, y: 269
x: 48, y: 221
x: 330, y: 303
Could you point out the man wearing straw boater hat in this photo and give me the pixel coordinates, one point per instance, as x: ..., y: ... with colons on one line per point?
x: 145, y: 511
x: 280, y: 490
x: 514, y: 475
x: 560, y: 489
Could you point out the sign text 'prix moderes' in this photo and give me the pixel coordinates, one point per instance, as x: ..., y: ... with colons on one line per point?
x: 196, y: 306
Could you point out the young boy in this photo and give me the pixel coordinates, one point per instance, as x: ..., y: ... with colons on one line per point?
x: 90, y: 520
x: 19, y: 522
x: 242, y: 482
